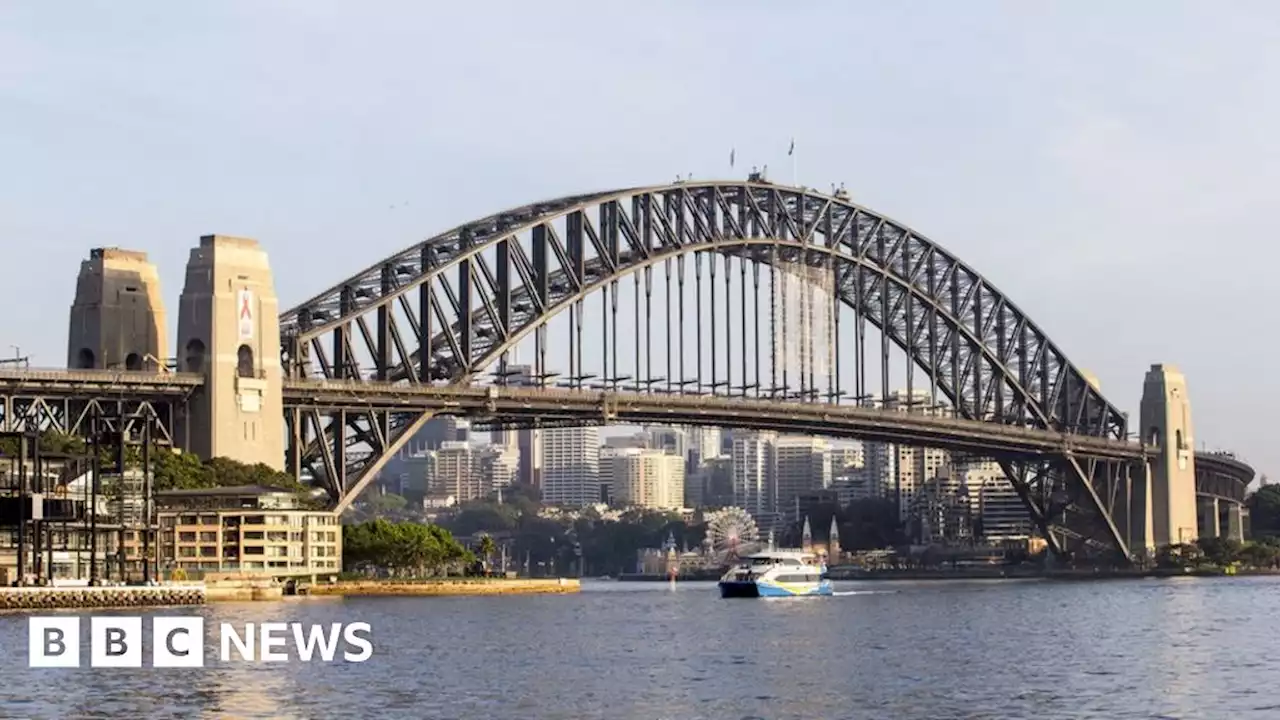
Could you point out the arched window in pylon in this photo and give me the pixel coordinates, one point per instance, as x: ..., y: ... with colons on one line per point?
x: 85, y: 359
x: 133, y: 362
x: 194, y: 360
x: 244, y: 361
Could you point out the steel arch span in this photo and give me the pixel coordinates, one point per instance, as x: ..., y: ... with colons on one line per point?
x: 451, y: 309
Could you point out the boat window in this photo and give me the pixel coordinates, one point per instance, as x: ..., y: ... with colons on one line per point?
x: 797, y: 578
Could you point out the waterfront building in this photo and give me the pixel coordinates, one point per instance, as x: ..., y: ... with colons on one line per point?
x: 248, y: 529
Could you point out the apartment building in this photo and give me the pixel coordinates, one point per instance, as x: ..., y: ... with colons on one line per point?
x: 246, y: 529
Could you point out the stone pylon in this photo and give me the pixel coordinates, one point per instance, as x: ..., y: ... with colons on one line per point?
x: 228, y: 330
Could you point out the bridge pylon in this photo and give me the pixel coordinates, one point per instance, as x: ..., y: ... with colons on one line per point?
x: 227, y: 331
x: 117, y: 317
x: 1165, y: 421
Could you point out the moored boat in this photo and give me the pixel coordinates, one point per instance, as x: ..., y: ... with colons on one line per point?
x: 776, y: 573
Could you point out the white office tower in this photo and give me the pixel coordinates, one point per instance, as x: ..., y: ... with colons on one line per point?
x: 803, y: 317
x: 704, y: 444
x: 848, y: 457
x: 499, y: 465
x: 993, y: 499
x: 571, y: 466
x: 648, y: 478
x: 803, y: 464
x: 526, y: 442
x: 755, y: 474
x: 455, y: 472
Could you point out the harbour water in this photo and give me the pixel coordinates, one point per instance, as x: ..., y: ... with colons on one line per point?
x: 1176, y: 648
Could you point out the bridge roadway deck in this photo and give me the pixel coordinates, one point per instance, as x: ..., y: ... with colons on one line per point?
x: 137, y: 384
x: 558, y: 404
x: 1219, y: 474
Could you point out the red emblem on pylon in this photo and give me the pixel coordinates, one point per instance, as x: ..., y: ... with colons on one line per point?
x: 245, y: 312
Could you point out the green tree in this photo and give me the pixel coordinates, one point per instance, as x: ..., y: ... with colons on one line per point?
x: 179, y: 471
x: 1179, y: 556
x: 1260, y: 555
x: 1220, y: 551
x: 1264, y: 511
x: 487, y: 548
x: 401, y: 548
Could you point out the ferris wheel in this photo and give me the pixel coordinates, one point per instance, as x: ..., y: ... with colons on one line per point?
x: 731, y: 531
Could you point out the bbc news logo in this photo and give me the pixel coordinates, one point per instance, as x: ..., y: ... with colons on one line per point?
x: 179, y: 641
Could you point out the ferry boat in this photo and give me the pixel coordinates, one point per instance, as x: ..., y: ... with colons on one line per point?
x: 776, y: 573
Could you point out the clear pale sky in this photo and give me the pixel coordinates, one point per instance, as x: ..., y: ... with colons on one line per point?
x: 1110, y: 166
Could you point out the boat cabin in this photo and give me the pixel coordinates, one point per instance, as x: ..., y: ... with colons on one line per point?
x: 791, y: 566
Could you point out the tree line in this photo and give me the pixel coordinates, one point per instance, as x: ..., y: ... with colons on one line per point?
x: 403, y: 549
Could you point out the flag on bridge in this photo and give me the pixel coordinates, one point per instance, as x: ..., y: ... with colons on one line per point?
x: 792, y: 150
x: 731, y: 153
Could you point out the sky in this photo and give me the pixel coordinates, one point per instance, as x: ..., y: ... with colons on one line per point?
x: 1109, y: 166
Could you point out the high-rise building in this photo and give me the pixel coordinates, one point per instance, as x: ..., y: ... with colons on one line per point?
x: 802, y: 465
x: 898, y: 471
x: 1000, y: 511
x: 710, y: 484
x: 671, y: 440
x: 571, y: 466
x: 402, y: 474
x: 526, y: 441
x: 609, y: 453
x: 755, y: 486
x: 704, y: 444
x: 853, y: 485
x: 941, y: 510
x: 498, y: 465
x: 845, y: 458
x: 456, y: 472
x: 648, y: 478
x: 634, y: 440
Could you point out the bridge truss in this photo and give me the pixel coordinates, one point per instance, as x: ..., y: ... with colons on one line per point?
x: 70, y: 402
x: 683, y: 290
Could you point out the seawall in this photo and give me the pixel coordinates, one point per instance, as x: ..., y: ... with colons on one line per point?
x: 468, y: 586
x: 242, y: 589
x: 84, y: 598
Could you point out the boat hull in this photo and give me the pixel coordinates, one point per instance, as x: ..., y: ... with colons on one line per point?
x: 759, y: 589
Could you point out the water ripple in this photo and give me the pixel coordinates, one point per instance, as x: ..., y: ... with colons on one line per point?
x: 1181, y: 649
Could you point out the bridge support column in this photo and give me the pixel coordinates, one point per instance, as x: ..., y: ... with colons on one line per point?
x: 1233, y: 513
x: 1141, y: 541
x: 1209, y: 517
x: 117, y: 319
x: 228, y: 330
x: 1165, y: 421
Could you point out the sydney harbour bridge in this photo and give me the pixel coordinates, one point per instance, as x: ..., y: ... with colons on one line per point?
x: 733, y: 304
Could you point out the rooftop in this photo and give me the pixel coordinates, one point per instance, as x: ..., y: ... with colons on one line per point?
x: 236, y: 490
